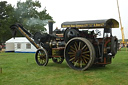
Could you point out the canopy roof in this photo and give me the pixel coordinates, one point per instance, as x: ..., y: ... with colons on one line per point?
x: 105, y: 23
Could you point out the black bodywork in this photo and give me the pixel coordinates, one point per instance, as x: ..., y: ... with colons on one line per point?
x: 80, y: 47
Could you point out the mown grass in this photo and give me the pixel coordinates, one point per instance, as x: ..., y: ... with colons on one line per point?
x: 17, y: 71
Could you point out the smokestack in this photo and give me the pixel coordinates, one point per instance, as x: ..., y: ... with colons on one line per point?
x: 50, y: 24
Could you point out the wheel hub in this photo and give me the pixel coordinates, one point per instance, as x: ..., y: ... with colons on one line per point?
x: 78, y: 54
x: 41, y: 57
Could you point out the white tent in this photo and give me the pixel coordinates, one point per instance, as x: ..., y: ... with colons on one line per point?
x: 19, y: 45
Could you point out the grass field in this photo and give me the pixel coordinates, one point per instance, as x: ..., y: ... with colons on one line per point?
x: 21, y: 69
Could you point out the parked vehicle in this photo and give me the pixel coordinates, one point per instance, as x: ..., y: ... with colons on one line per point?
x: 80, y: 47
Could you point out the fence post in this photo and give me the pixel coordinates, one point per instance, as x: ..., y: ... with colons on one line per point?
x: 1, y: 70
x: 27, y: 60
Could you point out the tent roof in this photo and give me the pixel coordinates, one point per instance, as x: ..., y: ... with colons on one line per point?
x: 17, y: 40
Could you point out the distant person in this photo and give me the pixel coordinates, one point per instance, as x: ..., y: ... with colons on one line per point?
x: 0, y: 48
x: 57, y: 31
x: 120, y: 46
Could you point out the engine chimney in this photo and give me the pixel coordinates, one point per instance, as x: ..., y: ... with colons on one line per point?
x: 50, y: 24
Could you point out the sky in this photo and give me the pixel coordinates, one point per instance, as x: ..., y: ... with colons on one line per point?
x: 79, y: 10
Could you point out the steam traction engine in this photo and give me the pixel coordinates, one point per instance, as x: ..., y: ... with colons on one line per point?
x: 80, y: 47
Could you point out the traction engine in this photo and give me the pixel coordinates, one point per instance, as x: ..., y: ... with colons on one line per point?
x: 80, y: 47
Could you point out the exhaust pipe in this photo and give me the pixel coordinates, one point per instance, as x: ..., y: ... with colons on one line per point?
x: 50, y: 24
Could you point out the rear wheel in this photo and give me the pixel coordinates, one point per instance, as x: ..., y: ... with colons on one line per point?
x: 41, y: 57
x: 114, y: 45
x: 79, y: 53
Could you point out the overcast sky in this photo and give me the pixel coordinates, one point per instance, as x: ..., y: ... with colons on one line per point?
x: 77, y: 10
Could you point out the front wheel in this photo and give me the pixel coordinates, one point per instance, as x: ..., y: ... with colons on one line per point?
x: 41, y: 57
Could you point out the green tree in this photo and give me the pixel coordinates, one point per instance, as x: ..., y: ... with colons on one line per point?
x: 26, y: 13
x: 6, y: 19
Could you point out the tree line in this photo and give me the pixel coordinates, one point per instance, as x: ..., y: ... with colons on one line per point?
x: 25, y: 13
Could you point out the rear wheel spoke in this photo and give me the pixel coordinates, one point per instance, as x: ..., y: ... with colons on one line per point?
x: 85, y: 57
x: 70, y: 53
x: 84, y: 47
x: 85, y: 52
x: 75, y: 63
x: 79, y: 45
x: 81, y: 63
x: 72, y: 59
x: 73, y: 48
